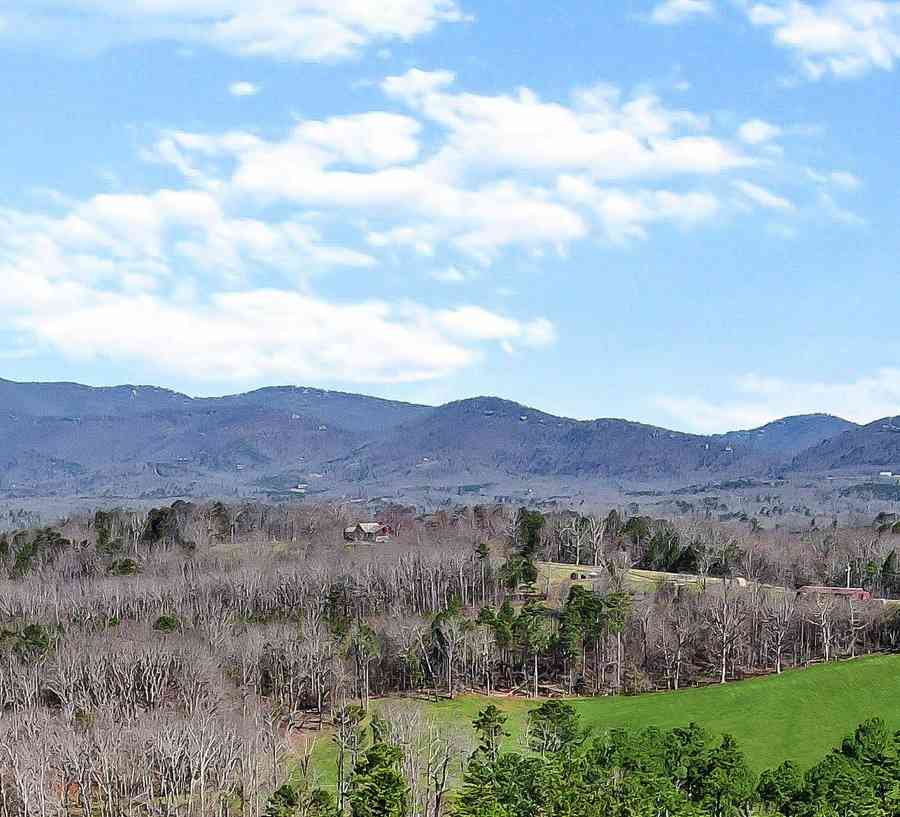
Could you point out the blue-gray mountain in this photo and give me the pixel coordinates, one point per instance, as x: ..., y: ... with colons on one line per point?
x: 132, y: 441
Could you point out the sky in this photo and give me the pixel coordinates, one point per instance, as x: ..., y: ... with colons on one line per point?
x: 683, y: 212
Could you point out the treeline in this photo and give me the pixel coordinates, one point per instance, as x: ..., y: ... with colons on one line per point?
x: 170, y: 657
x: 399, y: 763
x: 117, y: 540
x: 864, y: 557
x: 563, y: 770
x: 676, y: 773
x: 275, y: 601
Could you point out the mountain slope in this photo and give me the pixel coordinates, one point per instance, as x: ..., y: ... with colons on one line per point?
x: 873, y: 447
x: 74, y: 400
x: 353, y: 412
x: 484, y: 439
x: 63, y: 439
x: 791, y: 435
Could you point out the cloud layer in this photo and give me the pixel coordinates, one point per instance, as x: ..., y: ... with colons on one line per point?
x: 302, y: 30
x: 218, y: 276
x: 843, y: 38
x: 170, y: 281
x: 506, y: 171
x: 670, y: 12
x: 760, y: 399
x: 838, y: 38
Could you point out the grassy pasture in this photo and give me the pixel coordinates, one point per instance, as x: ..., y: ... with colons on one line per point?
x: 798, y: 716
x: 554, y: 579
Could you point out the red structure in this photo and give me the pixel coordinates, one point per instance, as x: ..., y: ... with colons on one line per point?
x: 855, y: 593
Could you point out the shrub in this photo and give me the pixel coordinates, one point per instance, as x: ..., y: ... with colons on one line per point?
x: 166, y: 624
x: 124, y: 567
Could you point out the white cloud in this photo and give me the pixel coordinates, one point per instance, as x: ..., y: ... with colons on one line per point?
x: 309, y: 168
x: 845, y: 179
x: 611, y: 137
x: 303, y: 30
x: 252, y: 335
x: 828, y: 205
x: 539, y: 332
x: 416, y: 83
x: 841, y: 179
x: 670, y: 12
x: 757, y: 132
x: 762, y: 197
x: 450, y: 275
x: 489, y: 173
x: 626, y: 215
x: 421, y: 238
x: 762, y: 399
x: 230, y: 261
x: 367, y: 140
x: 143, y: 237
x: 243, y: 89
x: 843, y: 38
x: 74, y: 285
x: 476, y: 323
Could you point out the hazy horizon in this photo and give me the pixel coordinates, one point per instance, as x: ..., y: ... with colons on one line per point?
x: 373, y: 394
x: 431, y: 199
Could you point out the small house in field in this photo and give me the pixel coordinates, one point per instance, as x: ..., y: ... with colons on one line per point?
x: 367, y: 532
x: 855, y: 593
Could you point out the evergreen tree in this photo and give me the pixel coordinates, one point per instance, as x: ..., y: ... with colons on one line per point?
x: 780, y: 789
x: 533, y: 635
x: 553, y: 727
x: 489, y: 726
x: 292, y: 800
x: 378, y: 788
x: 727, y: 786
x: 835, y: 783
x: 529, y: 525
x: 617, y: 608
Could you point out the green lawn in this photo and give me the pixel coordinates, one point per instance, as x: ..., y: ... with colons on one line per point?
x: 798, y: 716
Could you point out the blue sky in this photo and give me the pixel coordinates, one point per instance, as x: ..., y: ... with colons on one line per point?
x: 683, y: 212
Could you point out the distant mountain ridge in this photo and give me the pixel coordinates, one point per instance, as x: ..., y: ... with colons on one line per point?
x: 874, y: 447
x: 791, y: 435
x: 145, y: 441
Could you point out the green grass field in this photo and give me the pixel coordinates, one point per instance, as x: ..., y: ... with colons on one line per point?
x: 798, y: 716
x: 553, y: 576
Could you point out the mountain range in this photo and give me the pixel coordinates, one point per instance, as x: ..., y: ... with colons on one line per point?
x: 63, y: 439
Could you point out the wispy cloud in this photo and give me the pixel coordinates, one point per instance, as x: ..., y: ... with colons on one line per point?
x: 840, y: 38
x: 451, y: 179
x: 243, y: 88
x: 107, y: 281
x: 672, y: 12
x: 762, y: 197
x: 842, y: 179
x: 760, y: 399
x: 758, y: 131
x: 449, y: 275
x: 496, y: 172
x: 301, y: 30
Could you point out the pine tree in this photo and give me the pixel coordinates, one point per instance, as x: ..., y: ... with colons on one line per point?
x: 489, y: 726
x: 378, y: 788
